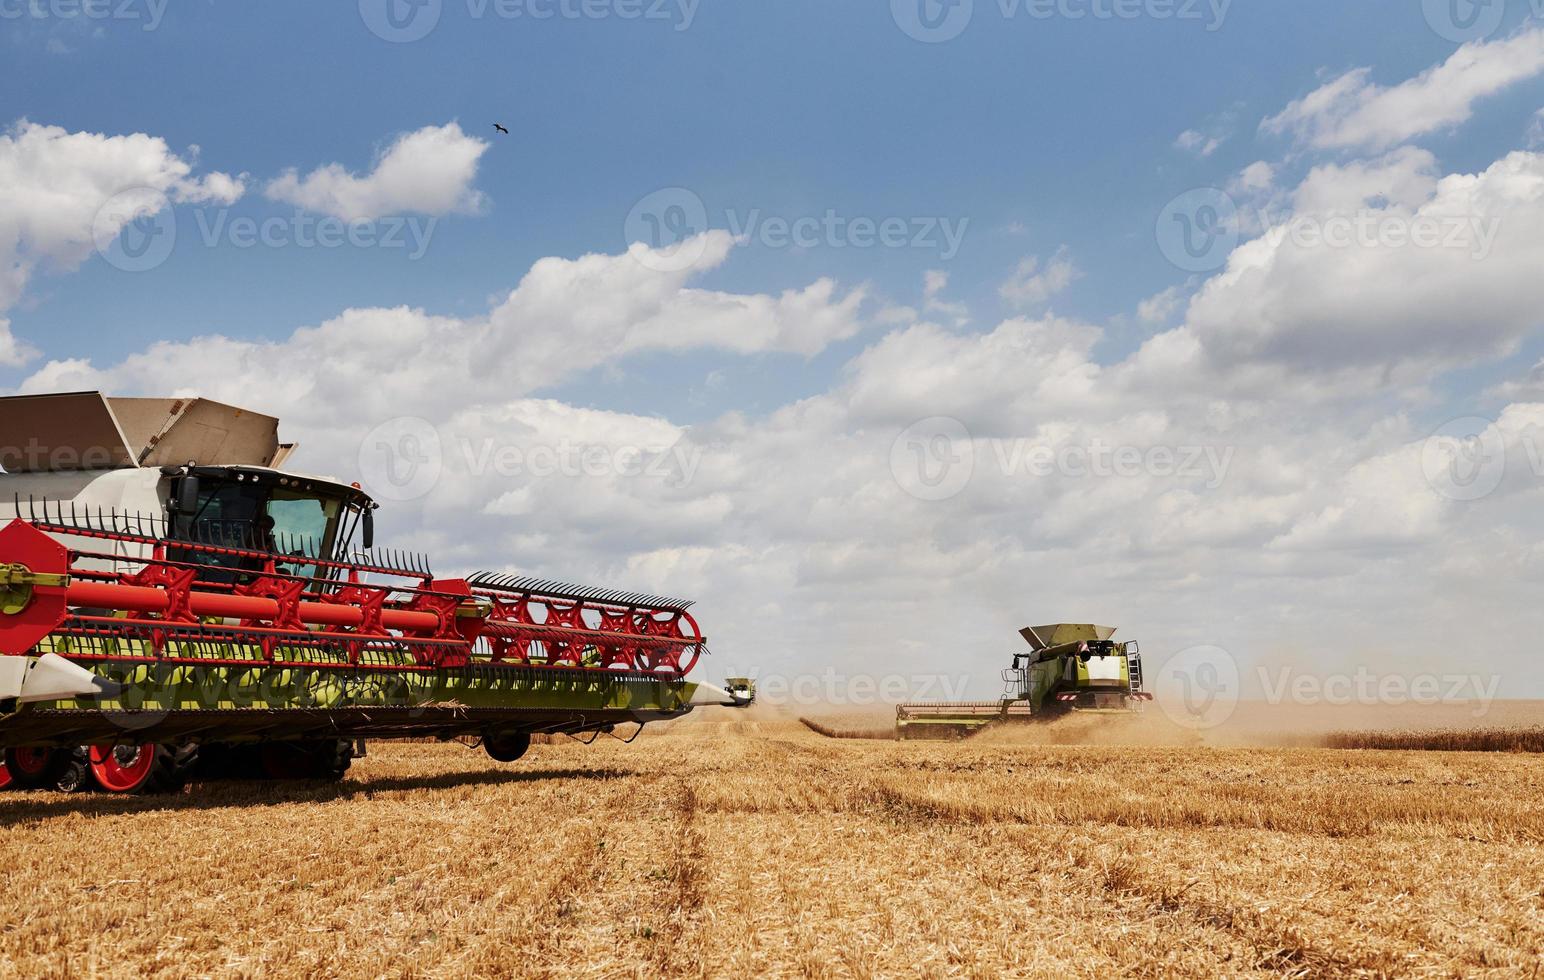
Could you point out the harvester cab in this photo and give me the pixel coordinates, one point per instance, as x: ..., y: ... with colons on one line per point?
x: 168, y: 589
x: 1068, y: 667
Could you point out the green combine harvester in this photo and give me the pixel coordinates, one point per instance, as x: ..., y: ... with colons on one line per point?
x: 1070, y: 667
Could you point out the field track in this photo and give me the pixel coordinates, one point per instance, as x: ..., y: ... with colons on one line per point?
x: 750, y: 844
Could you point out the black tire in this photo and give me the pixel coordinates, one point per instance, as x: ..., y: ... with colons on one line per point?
x: 506, y: 746
x: 326, y: 759
x: 77, y: 774
x: 174, y: 766
x: 333, y: 757
x: 36, y: 768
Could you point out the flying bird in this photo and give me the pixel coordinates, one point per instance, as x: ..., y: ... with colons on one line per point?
x: 501, y: 129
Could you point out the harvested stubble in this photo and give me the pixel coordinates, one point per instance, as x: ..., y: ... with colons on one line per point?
x: 751, y: 845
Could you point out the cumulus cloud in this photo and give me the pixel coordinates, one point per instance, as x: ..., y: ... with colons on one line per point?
x: 63, y: 193
x: 1352, y: 111
x: 1031, y: 284
x: 430, y: 171
x: 565, y: 317
x: 1197, y: 142
x: 1384, y: 272
x: 1160, y: 306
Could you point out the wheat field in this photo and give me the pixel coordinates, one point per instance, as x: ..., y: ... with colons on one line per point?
x: 748, y: 844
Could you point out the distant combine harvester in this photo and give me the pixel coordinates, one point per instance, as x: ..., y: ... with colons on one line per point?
x: 1069, y: 667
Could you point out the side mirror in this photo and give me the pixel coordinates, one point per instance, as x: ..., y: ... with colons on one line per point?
x: 187, y: 495
x: 368, y: 528
x: 1130, y: 648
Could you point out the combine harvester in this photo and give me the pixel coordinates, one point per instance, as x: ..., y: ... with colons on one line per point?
x: 1070, y: 667
x: 174, y: 602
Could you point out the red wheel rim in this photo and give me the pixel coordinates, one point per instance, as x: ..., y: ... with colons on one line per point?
x: 122, y: 768
x: 31, y: 762
x: 5, y: 776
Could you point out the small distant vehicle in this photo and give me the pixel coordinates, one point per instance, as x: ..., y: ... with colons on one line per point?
x: 1070, y: 667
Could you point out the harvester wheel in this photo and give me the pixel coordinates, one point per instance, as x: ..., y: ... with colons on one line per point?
x: 506, y: 746
x: 143, y: 768
x: 5, y: 776
x: 76, y: 775
x: 334, y: 758
x: 36, y: 768
x: 326, y: 759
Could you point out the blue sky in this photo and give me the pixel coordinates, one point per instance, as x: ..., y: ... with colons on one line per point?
x: 1056, y: 145
x: 1039, y: 133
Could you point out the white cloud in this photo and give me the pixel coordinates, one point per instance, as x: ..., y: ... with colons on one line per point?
x: 54, y: 186
x: 1199, y: 143
x: 430, y: 171
x: 565, y: 317
x: 934, y: 282
x: 1294, y: 368
x: 1160, y: 306
x: 1384, y: 273
x: 1031, y: 285
x: 1257, y: 177
x: 1352, y: 111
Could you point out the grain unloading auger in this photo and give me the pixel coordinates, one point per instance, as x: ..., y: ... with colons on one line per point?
x: 1069, y: 667
x: 158, y: 616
